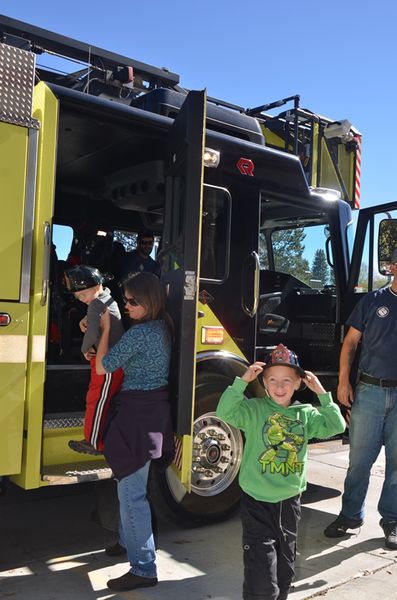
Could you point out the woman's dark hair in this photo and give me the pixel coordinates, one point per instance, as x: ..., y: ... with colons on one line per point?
x: 147, y: 290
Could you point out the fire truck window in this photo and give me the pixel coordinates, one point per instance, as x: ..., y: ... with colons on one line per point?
x: 129, y: 240
x: 126, y: 239
x: 387, y: 242
x: 370, y: 259
x: 350, y: 233
x: 363, y: 277
x: 302, y: 253
x: 62, y: 237
x: 215, y: 235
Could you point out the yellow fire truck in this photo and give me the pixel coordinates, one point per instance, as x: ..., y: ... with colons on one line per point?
x: 95, y: 154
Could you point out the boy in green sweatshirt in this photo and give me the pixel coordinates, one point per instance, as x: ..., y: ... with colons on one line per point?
x: 273, y: 468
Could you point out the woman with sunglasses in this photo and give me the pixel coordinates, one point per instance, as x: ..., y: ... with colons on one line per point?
x: 139, y: 427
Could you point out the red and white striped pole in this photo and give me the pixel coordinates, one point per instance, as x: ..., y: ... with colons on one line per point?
x: 357, y: 181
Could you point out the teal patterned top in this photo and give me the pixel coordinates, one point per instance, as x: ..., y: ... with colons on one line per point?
x: 144, y: 354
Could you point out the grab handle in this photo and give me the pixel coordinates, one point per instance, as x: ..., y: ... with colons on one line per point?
x: 252, y: 283
x: 46, y: 263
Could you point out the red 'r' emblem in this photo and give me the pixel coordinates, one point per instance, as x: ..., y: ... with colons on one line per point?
x: 245, y: 166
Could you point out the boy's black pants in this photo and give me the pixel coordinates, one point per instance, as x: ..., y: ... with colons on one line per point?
x: 269, y: 545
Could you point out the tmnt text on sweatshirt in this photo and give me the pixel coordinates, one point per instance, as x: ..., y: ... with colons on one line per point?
x: 273, y: 466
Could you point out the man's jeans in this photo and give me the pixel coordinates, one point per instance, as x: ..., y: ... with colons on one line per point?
x: 373, y: 422
x: 135, y: 531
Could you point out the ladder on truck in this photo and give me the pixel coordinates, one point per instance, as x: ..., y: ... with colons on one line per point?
x: 330, y: 151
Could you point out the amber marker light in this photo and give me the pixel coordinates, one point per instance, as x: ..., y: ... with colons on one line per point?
x: 212, y: 335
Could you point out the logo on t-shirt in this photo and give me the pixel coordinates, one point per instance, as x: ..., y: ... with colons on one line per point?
x: 283, y: 438
x: 382, y: 312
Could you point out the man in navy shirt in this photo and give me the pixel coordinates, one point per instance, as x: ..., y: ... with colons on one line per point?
x: 373, y: 420
x: 139, y: 260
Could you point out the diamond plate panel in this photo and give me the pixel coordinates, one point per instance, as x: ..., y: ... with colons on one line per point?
x: 17, y: 70
x: 63, y: 422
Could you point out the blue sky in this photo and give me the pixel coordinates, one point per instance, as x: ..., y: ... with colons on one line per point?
x: 339, y: 56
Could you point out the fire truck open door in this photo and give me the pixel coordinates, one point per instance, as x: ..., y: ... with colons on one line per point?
x: 18, y: 152
x: 18, y: 156
x: 180, y: 256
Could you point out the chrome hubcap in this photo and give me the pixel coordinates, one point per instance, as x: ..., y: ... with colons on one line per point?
x: 217, y: 451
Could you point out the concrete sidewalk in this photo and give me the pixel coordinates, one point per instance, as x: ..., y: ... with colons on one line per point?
x: 51, y: 550
x: 348, y: 566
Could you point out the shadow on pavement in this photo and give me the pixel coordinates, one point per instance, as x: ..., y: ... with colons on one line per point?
x: 44, y: 530
x: 315, y: 493
x: 34, y: 522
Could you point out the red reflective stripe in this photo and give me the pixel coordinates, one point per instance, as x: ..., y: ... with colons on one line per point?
x: 357, y: 182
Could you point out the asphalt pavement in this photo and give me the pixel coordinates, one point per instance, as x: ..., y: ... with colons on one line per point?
x: 51, y: 549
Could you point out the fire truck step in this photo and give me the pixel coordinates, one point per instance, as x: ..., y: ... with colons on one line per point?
x: 63, y: 420
x: 85, y: 471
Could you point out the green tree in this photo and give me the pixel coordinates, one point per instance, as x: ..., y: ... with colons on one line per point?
x: 288, y: 248
x: 263, y: 256
x: 387, y: 239
x: 320, y: 270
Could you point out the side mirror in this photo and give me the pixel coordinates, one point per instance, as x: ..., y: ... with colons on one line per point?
x: 387, y: 243
x: 273, y: 324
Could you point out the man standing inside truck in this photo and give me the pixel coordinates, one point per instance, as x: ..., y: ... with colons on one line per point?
x: 139, y: 260
x: 373, y: 420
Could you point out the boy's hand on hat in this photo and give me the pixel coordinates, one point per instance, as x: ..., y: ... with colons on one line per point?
x: 313, y: 383
x: 253, y: 371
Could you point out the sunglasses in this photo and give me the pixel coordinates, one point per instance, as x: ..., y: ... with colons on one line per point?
x: 146, y: 242
x: 131, y: 301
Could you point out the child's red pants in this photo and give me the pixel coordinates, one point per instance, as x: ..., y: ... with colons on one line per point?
x: 101, y: 390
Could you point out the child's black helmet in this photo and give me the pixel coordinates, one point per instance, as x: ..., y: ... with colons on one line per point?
x: 281, y: 355
x: 82, y: 277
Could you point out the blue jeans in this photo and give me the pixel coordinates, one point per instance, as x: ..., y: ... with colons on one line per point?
x: 373, y: 422
x: 135, y: 530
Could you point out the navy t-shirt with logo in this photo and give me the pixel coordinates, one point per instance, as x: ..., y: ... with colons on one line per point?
x: 376, y: 317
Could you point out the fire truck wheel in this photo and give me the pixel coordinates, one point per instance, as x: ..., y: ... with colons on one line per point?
x: 217, y: 453
x: 106, y: 505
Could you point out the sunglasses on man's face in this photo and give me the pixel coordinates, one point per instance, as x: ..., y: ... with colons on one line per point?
x: 146, y: 242
x: 131, y: 301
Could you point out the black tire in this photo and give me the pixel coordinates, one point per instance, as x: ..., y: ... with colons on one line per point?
x: 106, y: 505
x: 211, y: 504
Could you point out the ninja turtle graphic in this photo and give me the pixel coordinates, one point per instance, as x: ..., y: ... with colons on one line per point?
x: 283, y: 438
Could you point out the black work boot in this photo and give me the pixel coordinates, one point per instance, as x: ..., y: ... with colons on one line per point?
x: 339, y: 527
x: 390, y: 531
x: 129, y: 581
